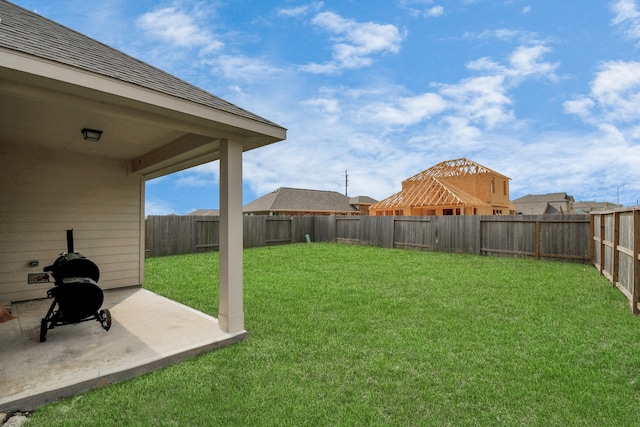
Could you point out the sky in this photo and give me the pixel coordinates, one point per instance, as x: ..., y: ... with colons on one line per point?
x: 372, y: 92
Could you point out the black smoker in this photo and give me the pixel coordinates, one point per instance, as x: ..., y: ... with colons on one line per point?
x: 76, y: 296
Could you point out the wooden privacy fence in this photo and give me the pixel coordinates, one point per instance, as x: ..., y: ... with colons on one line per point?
x: 174, y: 235
x: 549, y: 237
x: 542, y: 237
x: 616, y: 250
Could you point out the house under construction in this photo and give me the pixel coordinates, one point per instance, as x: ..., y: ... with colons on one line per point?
x: 452, y: 187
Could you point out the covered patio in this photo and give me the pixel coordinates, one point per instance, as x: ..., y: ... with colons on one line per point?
x: 82, y: 128
x: 148, y: 332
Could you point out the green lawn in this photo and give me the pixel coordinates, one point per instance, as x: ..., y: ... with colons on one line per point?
x: 349, y: 335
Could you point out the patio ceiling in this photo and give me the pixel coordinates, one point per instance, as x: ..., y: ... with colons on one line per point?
x: 45, y: 105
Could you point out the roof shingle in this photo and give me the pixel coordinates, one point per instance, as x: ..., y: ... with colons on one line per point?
x: 296, y: 199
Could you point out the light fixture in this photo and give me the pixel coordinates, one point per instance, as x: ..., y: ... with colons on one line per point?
x: 91, y: 134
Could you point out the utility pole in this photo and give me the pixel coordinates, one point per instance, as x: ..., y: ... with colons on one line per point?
x: 618, y: 191
x: 346, y: 183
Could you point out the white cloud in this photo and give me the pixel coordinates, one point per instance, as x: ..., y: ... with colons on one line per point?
x: 525, y: 38
x: 614, y: 95
x: 627, y: 16
x: 580, y: 106
x: 329, y: 107
x: 480, y: 100
x: 301, y: 10
x: 526, y: 61
x: 158, y: 207
x: 523, y: 62
x: 404, y: 111
x: 434, y: 11
x: 355, y: 43
x: 242, y: 68
x: 422, y: 8
x: 178, y: 28
x: 382, y: 135
x: 209, y: 173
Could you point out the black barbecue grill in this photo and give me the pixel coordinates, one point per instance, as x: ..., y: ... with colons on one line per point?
x: 76, y: 295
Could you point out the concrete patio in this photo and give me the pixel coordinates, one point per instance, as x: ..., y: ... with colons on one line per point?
x: 148, y: 332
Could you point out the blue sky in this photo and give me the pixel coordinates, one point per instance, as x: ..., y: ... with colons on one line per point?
x: 546, y: 92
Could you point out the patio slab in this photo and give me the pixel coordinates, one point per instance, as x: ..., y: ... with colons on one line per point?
x: 148, y: 332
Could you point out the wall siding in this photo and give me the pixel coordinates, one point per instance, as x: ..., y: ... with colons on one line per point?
x: 43, y: 193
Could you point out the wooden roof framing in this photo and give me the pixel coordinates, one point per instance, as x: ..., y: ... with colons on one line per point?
x: 440, y: 185
x: 429, y: 191
x: 451, y: 168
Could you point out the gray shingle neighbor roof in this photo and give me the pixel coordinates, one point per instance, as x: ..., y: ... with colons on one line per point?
x: 26, y: 32
x: 296, y: 199
x: 540, y: 204
x: 537, y: 198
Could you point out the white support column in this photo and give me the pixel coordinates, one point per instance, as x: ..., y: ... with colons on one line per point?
x: 231, y: 314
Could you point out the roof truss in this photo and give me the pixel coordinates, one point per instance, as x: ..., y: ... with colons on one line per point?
x: 451, y: 168
x: 428, y: 192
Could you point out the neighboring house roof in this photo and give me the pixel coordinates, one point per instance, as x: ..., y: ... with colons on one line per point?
x: 586, y: 207
x: 432, y: 187
x: 300, y: 200
x: 362, y: 200
x: 27, y: 32
x: 537, y: 208
x: 544, y: 204
x: 206, y: 212
x: 451, y: 168
x: 430, y: 191
x: 550, y: 197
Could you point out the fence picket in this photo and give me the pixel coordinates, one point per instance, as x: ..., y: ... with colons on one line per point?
x: 548, y: 237
x: 616, y: 250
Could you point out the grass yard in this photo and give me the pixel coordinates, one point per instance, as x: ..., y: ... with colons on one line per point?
x: 349, y: 335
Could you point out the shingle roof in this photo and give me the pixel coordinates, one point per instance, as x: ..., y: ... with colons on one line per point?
x: 537, y: 198
x: 26, y: 32
x: 362, y: 200
x: 205, y: 212
x: 535, y: 208
x: 296, y: 199
x: 543, y: 204
x: 581, y: 207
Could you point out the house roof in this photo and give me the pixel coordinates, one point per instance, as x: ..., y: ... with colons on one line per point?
x: 206, y: 212
x: 27, y: 32
x: 586, y: 207
x: 362, y: 200
x: 429, y: 191
x: 451, y: 168
x: 55, y: 81
x: 301, y: 200
x: 550, y: 197
x: 537, y: 208
x: 543, y: 204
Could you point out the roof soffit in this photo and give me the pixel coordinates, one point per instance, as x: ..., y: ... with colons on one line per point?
x: 111, y: 92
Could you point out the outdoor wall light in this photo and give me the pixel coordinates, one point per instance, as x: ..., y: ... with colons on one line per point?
x: 91, y: 134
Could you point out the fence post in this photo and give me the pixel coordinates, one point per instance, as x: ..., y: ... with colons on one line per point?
x: 636, y: 262
x: 537, y: 232
x: 592, y: 236
x: 614, y: 255
x: 602, y: 231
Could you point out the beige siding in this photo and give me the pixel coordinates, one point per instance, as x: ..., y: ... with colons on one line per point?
x: 43, y: 193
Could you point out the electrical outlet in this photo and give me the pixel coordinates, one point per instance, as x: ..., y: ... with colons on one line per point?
x: 37, y: 278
